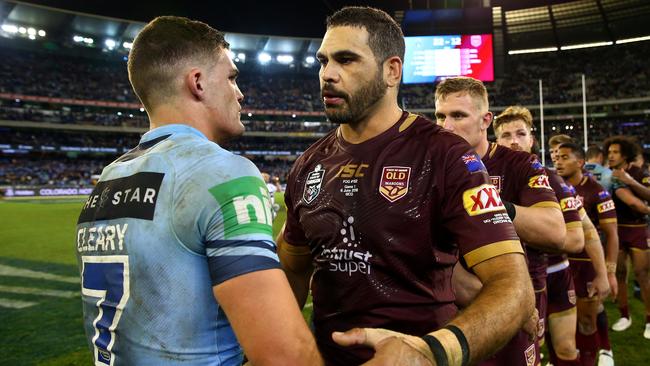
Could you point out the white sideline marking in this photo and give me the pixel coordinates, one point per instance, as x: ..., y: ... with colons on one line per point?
x: 21, y: 272
x: 309, y: 306
x: 15, y: 304
x: 38, y: 291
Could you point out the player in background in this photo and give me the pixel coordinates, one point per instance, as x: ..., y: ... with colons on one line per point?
x: 462, y: 107
x: 273, y: 186
x: 597, y: 202
x: 630, y: 186
x: 513, y: 129
x: 554, y: 143
x: 174, y: 245
x: 381, y: 209
x: 594, y: 165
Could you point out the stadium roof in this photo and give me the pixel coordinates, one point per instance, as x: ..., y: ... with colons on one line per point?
x: 257, y: 26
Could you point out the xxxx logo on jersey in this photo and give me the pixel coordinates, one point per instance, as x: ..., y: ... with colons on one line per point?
x: 539, y: 181
x: 605, y: 206
x: 482, y: 199
x: 569, y: 204
x: 394, y: 182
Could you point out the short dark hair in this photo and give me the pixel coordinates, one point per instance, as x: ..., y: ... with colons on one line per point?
x: 385, y: 37
x: 163, y: 45
x: 593, y: 151
x: 575, y: 149
x: 629, y: 147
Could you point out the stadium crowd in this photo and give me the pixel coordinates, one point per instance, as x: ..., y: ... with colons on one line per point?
x: 614, y: 72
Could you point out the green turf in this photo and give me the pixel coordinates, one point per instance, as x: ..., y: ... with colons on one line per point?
x: 40, y: 237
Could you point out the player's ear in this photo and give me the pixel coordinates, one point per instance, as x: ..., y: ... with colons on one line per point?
x: 486, y: 121
x: 392, y: 71
x: 193, y: 83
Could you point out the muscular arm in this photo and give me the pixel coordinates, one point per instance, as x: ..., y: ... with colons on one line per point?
x: 638, y: 188
x: 575, y: 237
x: 297, y: 264
x: 594, y: 250
x: 611, y: 244
x: 267, y: 320
x: 502, y: 307
x: 466, y: 286
x: 626, y: 195
x: 541, y: 227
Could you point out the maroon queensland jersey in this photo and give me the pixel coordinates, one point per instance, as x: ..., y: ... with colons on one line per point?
x: 570, y: 205
x: 386, y: 220
x: 597, y: 201
x: 626, y: 215
x: 598, y: 204
x: 522, y: 180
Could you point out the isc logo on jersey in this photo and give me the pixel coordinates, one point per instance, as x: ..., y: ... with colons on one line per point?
x: 569, y: 204
x: 605, y: 206
x: 539, y: 181
x: 482, y: 199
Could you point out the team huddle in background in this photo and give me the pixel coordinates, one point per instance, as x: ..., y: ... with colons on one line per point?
x: 421, y: 242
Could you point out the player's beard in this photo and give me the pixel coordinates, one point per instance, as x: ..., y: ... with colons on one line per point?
x: 357, y: 105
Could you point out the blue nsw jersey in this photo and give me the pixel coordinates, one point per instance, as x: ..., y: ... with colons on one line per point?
x: 167, y: 221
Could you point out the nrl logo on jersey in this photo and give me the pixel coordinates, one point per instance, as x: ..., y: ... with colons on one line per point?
x: 394, y: 182
x: 313, y: 184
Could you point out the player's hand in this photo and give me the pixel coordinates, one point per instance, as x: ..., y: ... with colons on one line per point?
x: 622, y: 175
x: 391, y: 348
x: 599, y: 287
x: 532, y: 325
x: 613, y: 284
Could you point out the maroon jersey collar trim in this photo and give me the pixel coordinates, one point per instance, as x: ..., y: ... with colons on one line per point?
x: 375, y: 142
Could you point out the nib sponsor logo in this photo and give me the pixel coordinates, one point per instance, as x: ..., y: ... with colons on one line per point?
x: 482, y: 199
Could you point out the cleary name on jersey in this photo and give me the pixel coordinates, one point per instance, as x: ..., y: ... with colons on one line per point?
x: 166, y: 222
x: 385, y: 221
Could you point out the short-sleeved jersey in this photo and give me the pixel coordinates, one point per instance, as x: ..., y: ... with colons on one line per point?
x: 522, y: 180
x: 596, y: 201
x: 601, y: 174
x: 625, y: 214
x: 166, y: 222
x: 570, y: 205
x: 386, y: 220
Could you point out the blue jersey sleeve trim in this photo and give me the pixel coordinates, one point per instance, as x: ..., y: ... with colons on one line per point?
x: 223, y: 268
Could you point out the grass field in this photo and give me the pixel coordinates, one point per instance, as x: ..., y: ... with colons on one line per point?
x: 39, y: 279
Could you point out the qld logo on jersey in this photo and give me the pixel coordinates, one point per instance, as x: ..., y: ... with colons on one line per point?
x: 473, y: 163
x: 539, y: 181
x: 482, y: 199
x: 605, y: 206
x: 394, y: 182
x: 313, y: 184
x: 496, y: 181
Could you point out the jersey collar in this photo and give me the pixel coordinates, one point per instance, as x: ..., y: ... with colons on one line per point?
x: 169, y: 130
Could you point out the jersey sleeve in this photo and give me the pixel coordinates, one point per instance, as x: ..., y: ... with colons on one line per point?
x: 566, y: 196
x: 534, y: 188
x: 222, y: 209
x: 473, y: 211
x: 605, y: 207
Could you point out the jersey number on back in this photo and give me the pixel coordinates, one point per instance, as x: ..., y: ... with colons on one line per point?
x: 107, y: 278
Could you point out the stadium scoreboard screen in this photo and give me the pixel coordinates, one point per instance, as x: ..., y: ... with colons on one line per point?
x: 429, y: 58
